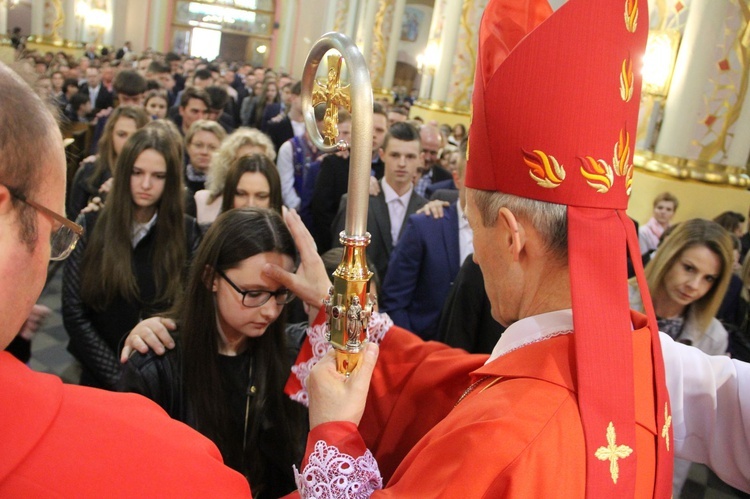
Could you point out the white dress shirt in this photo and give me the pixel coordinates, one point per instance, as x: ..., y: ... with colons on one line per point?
x: 141, y: 229
x: 465, y: 236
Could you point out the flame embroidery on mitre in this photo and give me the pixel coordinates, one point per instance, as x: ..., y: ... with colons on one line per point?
x: 631, y: 15
x: 622, y: 153
x: 545, y: 170
x: 626, y: 79
x: 598, y: 174
x: 629, y: 179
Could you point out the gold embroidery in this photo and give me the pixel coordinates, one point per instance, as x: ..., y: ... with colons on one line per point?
x: 598, y: 174
x: 629, y: 179
x: 621, y: 159
x: 545, y: 170
x: 331, y: 93
x: 612, y: 452
x: 626, y: 80
x: 667, y: 424
x: 631, y: 15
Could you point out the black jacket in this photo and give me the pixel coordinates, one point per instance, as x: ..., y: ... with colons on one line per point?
x: 95, y: 336
x: 160, y: 378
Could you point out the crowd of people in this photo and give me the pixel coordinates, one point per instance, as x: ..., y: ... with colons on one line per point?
x: 207, y: 213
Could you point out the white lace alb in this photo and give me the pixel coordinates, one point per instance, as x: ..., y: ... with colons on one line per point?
x: 331, y: 474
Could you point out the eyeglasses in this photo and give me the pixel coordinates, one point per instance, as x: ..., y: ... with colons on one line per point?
x: 258, y: 298
x: 65, y: 234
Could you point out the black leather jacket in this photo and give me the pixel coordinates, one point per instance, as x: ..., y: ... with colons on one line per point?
x: 95, y: 336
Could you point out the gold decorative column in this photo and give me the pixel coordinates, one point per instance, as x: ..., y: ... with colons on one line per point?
x: 381, y: 39
x: 461, y: 83
x: 341, y: 16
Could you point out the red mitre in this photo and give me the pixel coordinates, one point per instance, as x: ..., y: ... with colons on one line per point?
x: 555, y: 110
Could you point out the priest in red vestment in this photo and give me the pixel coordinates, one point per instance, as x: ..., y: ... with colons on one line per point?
x: 572, y: 402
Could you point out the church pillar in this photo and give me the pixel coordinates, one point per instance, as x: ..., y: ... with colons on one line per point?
x: 394, y: 39
x: 446, y: 63
x: 286, y: 37
x: 157, y: 25
x: 365, y: 31
x: 463, y: 59
x: 3, y: 19
x: 37, y: 18
x: 382, y: 40
x: 706, y: 113
x: 108, y: 24
x: 430, y: 59
x: 341, y: 17
x: 69, y: 20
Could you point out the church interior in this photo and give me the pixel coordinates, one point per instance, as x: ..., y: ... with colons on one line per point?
x: 693, y: 137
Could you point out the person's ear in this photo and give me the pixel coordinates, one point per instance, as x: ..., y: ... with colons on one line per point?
x: 381, y: 154
x: 6, y: 201
x: 512, y: 234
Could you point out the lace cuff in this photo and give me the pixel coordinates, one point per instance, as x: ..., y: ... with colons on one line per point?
x: 377, y: 328
x: 333, y: 474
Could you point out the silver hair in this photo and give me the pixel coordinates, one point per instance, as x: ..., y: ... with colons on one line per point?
x: 550, y: 220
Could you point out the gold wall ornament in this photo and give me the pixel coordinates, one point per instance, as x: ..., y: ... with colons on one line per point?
x: 613, y: 452
x: 330, y: 92
x: 349, y: 304
x: 692, y: 169
x: 667, y: 424
x: 59, y: 20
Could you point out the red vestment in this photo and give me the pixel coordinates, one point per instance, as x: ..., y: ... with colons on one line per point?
x: 69, y: 441
x: 517, y: 433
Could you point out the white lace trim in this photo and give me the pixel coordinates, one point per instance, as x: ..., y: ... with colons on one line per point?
x: 332, y: 474
x: 378, y: 326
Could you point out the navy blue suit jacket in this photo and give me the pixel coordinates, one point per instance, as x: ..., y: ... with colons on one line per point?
x: 421, y: 271
x: 443, y: 184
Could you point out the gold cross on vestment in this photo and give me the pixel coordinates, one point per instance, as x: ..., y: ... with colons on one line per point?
x: 330, y: 92
x: 667, y: 424
x: 612, y: 452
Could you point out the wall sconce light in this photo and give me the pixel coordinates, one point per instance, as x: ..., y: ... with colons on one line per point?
x: 431, y: 58
x: 10, y: 4
x: 261, y: 49
x: 659, y: 61
x: 99, y: 18
x: 82, y: 8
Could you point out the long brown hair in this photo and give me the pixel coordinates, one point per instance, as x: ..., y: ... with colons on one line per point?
x: 249, y: 164
x: 107, y: 271
x: 263, y: 101
x: 236, y: 235
x: 106, y: 157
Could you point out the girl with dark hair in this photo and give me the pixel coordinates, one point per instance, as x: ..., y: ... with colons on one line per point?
x: 227, y: 374
x: 93, y: 177
x: 252, y: 181
x: 130, y: 263
x: 254, y: 106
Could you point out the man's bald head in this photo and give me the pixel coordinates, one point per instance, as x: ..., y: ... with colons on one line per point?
x: 34, y: 130
x: 432, y: 143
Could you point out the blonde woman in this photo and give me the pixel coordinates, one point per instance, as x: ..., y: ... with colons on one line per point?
x: 242, y: 142
x: 688, y: 277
